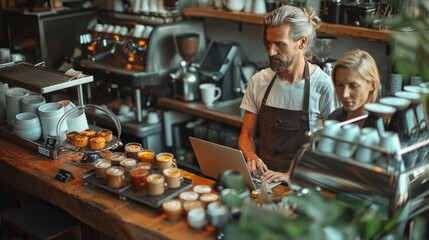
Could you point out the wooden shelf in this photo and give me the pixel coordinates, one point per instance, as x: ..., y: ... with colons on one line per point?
x: 326, y: 28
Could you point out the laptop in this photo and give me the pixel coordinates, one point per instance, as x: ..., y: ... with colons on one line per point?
x: 215, y: 158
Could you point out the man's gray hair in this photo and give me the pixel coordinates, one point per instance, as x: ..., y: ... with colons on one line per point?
x: 303, y: 22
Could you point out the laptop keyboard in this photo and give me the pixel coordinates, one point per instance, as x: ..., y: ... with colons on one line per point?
x: 256, y: 177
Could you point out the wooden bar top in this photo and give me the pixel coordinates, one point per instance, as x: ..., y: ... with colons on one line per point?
x: 104, y: 211
x: 100, y: 209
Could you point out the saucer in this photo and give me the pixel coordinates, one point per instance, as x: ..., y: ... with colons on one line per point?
x: 201, y: 189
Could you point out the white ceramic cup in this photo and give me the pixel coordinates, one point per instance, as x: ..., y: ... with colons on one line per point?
x: 13, y: 102
x: 234, y: 5
x: 390, y: 142
x: 331, y: 128
x: 217, y: 214
x: 210, y: 93
x: 197, y: 218
x: 259, y: 6
x: 4, y: 55
x: 30, y: 103
x: 368, y: 137
x: 138, y: 30
x: 349, y: 133
x: 152, y: 118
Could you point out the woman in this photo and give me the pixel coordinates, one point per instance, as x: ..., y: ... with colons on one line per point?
x: 356, y: 81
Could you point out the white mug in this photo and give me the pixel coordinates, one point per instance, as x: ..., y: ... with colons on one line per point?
x: 390, y: 142
x: 331, y: 128
x: 210, y: 93
x: 4, y: 55
x: 349, y: 133
x: 138, y: 30
x: 259, y: 7
x: 369, y: 137
x: 234, y: 5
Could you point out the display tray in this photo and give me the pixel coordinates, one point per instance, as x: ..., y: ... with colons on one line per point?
x: 139, y: 196
x: 68, y: 146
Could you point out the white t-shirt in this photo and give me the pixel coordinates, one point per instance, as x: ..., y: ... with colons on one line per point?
x: 291, y: 97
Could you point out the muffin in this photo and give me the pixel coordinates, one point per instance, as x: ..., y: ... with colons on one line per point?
x: 71, y: 136
x: 106, y: 134
x: 97, y: 143
x: 80, y: 141
x: 88, y: 132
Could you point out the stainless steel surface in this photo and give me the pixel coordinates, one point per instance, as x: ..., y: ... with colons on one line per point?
x: 403, y: 191
x: 231, y: 107
x: 150, y: 67
x: 186, y: 83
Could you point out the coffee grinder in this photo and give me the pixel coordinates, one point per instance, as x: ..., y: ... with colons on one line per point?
x: 323, y: 48
x: 185, y: 80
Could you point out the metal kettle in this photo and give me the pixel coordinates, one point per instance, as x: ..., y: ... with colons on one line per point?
x: 186, y: 82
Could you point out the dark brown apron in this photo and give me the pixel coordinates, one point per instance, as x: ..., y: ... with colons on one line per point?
x: 282, y: 132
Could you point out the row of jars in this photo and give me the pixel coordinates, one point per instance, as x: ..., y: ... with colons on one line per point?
x: 145, y: 170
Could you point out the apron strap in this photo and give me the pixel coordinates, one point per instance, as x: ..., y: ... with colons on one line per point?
x: 306, y: 104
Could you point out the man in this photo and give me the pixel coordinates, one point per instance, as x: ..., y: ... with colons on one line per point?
x: 284, y: 102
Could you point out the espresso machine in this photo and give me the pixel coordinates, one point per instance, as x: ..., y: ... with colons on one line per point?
x: 402, y: 191
x: 185, y: 80
x: 138, y: 65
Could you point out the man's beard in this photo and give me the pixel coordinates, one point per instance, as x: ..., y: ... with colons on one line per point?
x: 280, y: 66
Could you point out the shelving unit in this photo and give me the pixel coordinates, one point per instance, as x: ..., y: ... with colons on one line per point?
x: 326, y: 28
x: 39, y: 79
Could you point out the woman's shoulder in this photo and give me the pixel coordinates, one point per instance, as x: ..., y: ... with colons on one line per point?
x: 338, y: 114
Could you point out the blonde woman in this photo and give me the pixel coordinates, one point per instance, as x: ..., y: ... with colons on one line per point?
x: 356, y: 82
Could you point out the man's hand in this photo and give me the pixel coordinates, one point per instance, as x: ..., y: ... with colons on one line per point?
x: 256, y: 164
x: 271, y: 176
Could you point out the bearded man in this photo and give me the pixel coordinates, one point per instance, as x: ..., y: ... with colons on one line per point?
x: 283, y: 103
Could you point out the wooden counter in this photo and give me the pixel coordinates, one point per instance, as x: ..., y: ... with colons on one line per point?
x: 118, y: 219
x: 104, y: 211
x: 198, y: 109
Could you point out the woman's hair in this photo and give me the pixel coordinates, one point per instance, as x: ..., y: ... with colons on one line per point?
x: 364, y: 64
x: 303, y: 22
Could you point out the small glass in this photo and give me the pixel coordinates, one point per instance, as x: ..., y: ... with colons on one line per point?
x: 115, y: 177
x: 146, y: 156
x: 117, y: 157
x: 132, y: 149
x: 165, y: 160
x: 139, y: 177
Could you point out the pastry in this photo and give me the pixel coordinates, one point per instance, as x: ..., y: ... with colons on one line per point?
x: 88, y: 132
x: 97, y: 143
x: 80, y: 141
x: 71, y: 135
x: 106, y: 134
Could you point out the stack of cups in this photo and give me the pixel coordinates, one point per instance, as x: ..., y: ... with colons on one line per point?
x: 50, y: 114
x: 13, y: 102
x: 30, y: 103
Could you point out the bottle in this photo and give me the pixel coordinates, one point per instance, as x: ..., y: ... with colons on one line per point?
x: 255, y: 198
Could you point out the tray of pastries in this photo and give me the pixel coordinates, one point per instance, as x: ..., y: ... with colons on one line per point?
x: 89, y: 140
